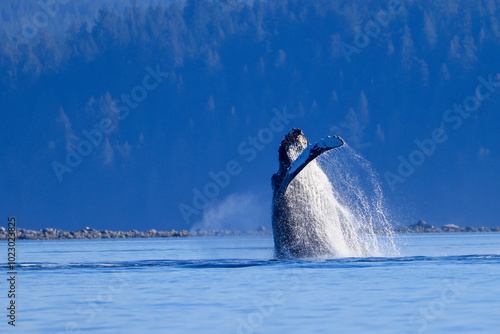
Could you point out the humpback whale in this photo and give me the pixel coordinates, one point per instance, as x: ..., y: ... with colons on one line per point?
x: 307, y: 219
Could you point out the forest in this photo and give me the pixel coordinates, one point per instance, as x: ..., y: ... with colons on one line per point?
x: 371, y: 71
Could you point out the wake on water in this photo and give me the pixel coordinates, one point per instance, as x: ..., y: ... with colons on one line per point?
x: 340, y: 197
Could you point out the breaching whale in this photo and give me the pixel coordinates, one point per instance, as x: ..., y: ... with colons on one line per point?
x: 307, y: 220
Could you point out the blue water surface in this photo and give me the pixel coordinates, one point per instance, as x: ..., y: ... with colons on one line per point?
x: 441, y: 283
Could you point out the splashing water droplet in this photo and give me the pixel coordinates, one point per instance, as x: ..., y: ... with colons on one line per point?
x: 357, y: 197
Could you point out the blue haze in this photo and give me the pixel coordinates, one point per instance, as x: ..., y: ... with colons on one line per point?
x: 229, y: 65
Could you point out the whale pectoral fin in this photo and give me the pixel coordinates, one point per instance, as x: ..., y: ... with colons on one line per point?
x: 309, y: 154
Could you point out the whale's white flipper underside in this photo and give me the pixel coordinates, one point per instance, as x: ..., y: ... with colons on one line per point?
x: 310, y: 153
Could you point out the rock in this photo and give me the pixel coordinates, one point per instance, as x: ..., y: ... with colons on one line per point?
x: 470, y: 229
x: 451, y: 228
x: 421, y: 226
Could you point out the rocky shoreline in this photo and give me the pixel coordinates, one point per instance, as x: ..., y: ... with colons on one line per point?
x: 90, y: 233
x: 423, y: 227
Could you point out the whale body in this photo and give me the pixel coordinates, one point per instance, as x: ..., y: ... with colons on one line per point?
x: 307, y: 219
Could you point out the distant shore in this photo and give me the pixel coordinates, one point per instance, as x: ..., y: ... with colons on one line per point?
x: 90, y: 233
x: 423, y: 227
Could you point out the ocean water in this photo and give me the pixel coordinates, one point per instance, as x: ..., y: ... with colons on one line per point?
x: 441, y: 283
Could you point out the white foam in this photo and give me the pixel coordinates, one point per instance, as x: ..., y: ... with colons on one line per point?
x: 338, y: 200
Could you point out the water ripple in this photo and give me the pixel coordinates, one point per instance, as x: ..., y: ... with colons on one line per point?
x: 244, y: 263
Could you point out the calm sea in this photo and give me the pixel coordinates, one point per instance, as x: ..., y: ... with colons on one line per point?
x: 441, y: 283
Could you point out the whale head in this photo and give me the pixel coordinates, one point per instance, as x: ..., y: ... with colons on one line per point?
x: 291, y: 147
